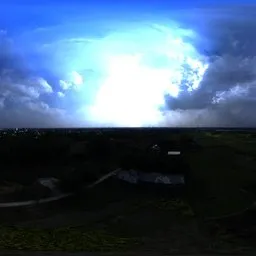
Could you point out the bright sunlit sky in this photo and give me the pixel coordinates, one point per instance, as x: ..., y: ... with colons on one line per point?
x: 127, y: 63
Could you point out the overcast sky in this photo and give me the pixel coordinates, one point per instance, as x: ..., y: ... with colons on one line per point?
x: 52, y: 69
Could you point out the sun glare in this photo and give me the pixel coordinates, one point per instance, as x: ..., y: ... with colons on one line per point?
x: 135, y: 80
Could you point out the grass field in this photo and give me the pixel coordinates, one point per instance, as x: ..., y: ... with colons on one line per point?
x: 224, y: 172
x: 214, y: 214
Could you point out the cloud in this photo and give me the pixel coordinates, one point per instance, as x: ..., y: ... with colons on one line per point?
x: 227, y: 93
x: 21, y: 92
x: 61, y: 94
x: 55, y: 73
x: 1, y: 102
x: 65, y: 85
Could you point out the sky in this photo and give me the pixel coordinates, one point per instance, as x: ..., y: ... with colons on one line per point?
x: 127, y: 63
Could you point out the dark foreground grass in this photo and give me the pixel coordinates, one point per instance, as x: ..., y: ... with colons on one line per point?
x: 222, y: 178
x: 105, y: 238
x: 221, y: 184
x: 128, y: 230
x: 153, y: 224
x: 156, y: 224
x: 66, y: 239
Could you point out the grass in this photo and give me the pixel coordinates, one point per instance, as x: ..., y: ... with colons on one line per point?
x: 62, y: 239
x: 143, y: 224
x: 220, y: 173
x: 84, y: 239
x: 174, y: 206
x: 219, y: 183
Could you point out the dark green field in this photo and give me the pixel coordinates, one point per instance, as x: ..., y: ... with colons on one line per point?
x: 215, y: 212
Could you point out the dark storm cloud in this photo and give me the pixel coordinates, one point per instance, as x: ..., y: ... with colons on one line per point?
x: 227, y: 91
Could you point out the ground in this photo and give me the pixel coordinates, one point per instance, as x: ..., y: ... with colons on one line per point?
x: 214, y: 213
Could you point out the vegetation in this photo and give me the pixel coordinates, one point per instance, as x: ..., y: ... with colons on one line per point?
x: 62, y: 239
x: 223, y: 174
x: 215, y: 213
